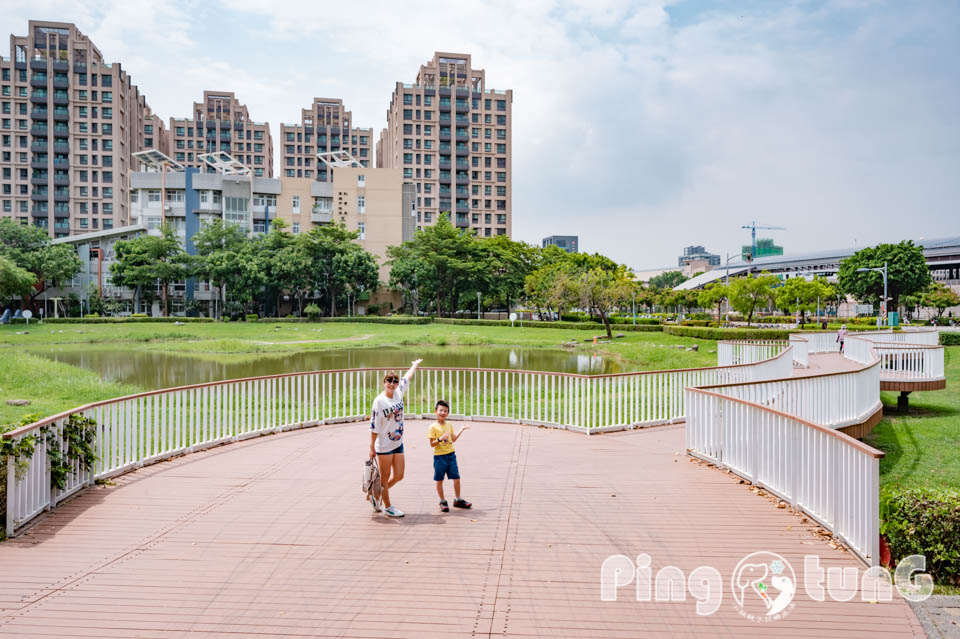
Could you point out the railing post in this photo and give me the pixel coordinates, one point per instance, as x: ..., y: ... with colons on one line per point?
x: 11, y: 491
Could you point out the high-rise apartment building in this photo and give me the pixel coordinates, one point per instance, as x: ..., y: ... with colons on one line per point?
x: 567, y: 242
x: 325, y: 127
x: 221, y: 123
x: 69, y: 124
x: 697, y: 253
x: 451, y: 135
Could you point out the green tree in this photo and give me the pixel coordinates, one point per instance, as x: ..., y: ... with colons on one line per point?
x: 150, y: 260
x: 940, y: 297
x: 337, y: 264
x: 15, y: 281
x: 30, y: 249
x: 602, y: 290
x: 217, y: 245
x: 439, y: 263
x: 800, y: 294
x: 907, y: 272
x: 714, y: 293
x: 508, y: 264
x: 747, y: 294
x: 670, y: 279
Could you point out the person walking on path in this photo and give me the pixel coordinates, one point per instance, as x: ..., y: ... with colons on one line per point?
x: 386, y: 436
x: 842, y: 335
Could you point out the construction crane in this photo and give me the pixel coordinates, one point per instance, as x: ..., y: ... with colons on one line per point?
x: 753, y: 235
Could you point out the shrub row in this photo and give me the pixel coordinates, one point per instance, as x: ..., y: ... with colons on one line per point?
x: 702, y: 332
x: 126, y: 320
x: 577, y: 326
x: 949, y: 339
x: 923, y: 521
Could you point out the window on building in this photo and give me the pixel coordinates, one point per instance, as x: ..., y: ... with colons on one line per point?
x: 361, y: 204
x: 296, y: 227
x: 363, y: 230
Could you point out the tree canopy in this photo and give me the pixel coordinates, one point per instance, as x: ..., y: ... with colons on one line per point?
x: 29, y: 249
x: 907, y: 272
x: 750, y: 293
x: 670, y: 279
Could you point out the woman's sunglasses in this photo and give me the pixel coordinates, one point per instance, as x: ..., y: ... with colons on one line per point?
x: 392, y: 380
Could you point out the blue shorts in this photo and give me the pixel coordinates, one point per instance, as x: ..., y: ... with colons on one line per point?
x: 445, y: 465
x: 395, y: 451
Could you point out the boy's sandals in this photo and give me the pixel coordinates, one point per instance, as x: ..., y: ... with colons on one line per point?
x: 461, y: 503
x: 443, y: 506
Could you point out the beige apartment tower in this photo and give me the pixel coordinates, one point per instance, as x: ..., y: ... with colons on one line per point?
x: 325, y: 127
x: 221, y: 123
x: 69, y: 124
x: 450, y: 134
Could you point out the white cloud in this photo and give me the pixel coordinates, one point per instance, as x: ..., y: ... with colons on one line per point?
x: 640, y: 126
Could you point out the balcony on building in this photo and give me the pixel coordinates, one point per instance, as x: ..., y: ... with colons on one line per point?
x: 39, y: 96
x: 61, y: 114
x: 61, y: 98
x: 444, y: 105
x: 462, y: 220
x: 462, y: 150
x: 80, y: 67
x: 444, y: 177
x: 321, y: 215
x: 462, y: 135
x: 40, y: 210
x: 38, y: 64
x: 39, y: 145
x: 39, y: 178
x: 463, y: 107
x: 463, y: 207
x: 61, y: 162
x: 38, y: 80
x: 445, y: 163
x: 61, y: 65
x: 61, y: 210
x: 39, y: 162
x: 61, y: 195
x: 444, y: 92
x: 444, y: 135
x: 39, y: 114
x: 61, y: 146
x: 60, y: 82
x: 61, y: 179
x: 38, y: 128
x: 40, y: 195
x: 463, y: 178
x: 463, y: 92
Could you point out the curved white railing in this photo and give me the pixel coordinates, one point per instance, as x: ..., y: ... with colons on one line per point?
x: 733, y: 352
x: 141, y: 429
x: 801, y: 350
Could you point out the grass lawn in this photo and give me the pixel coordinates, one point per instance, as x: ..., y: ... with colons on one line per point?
x: 53, y: 387
x: 922, y: 446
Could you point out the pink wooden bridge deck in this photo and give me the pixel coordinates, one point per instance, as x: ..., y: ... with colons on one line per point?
x: 271, y: 538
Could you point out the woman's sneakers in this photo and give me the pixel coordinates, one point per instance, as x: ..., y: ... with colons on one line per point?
x: 461, y: 503
x: 390, y: 511
x: 443, y: 506
x: 374, y: 502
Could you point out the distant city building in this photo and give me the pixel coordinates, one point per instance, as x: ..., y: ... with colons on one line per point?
x: 70, y: 124
x: 765, y: 248
x: 697, y: 253
x: 221, y: 123
x: 567, y: 242
x: 450, y: 133
x: 325, y: 127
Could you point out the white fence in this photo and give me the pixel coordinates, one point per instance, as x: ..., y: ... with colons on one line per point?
x: 141, y: 429
x: 801, y: 350
x: 827, y: 474
x: 748, y: 351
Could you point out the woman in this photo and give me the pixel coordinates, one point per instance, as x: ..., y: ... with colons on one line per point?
x: 386, y: 436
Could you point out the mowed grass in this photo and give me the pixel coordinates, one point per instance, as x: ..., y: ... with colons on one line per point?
x: 922, y: 446
x: 53, y: 387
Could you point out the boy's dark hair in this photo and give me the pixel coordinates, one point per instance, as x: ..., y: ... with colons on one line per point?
x: 442, y: 402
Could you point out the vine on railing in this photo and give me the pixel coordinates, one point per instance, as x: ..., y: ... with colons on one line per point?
x: 78, y: 436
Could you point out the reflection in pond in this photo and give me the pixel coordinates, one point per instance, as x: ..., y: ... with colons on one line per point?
x: 152, y: 370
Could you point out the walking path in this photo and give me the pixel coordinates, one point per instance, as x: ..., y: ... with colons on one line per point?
x: 270, y: 537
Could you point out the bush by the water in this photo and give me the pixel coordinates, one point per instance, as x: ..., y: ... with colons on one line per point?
x: 702, y: 332
x: 949, y: 339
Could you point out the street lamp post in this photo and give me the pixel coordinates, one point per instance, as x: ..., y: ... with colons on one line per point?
x: 884, y: 305
x: 634, y: 308
x: 478, y: 304
x: 726, y: 317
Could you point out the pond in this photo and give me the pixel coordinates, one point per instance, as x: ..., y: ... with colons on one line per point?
x: 153, y: 370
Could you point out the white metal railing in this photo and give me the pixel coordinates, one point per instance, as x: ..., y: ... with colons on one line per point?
x: 801, y: 350
x: 148, y: 427
x: 748, y: 351
x: 910, y: 362
x: 827, y: 474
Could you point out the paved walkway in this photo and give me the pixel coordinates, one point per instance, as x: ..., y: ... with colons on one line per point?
x: 271, y: 538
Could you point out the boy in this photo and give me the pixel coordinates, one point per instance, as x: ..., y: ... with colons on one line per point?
x: 444, y: 459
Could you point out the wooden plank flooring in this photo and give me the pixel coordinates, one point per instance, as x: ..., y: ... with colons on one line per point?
x: 271, y: 538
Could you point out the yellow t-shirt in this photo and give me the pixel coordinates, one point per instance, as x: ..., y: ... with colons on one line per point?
x: 436, y: 430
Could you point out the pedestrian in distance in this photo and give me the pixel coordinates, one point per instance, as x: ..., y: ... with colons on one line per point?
x: 386, y: 436
x: 444, y: 458
x: 842, y: 335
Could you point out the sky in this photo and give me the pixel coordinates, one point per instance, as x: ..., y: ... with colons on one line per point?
x: 641, y: 127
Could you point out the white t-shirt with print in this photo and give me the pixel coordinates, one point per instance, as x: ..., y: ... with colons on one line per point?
x: 387, y: 419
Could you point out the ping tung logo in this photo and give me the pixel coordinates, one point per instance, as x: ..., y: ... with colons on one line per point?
x: 764, y: 585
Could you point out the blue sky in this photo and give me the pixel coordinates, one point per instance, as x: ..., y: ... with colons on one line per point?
x: 642, y: 127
